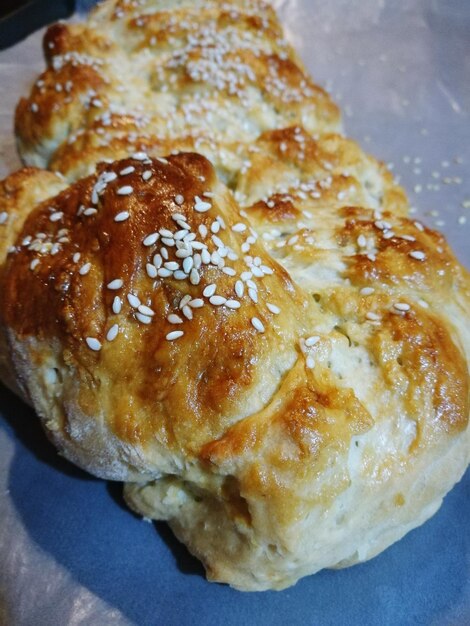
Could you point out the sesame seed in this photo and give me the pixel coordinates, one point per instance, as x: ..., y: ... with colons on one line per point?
x: 205, y: 256
x: 197, y: 303
x: 147, y: 175
x: 184, y: 301
x: 311, y: 341
x: 181, y: 234
x: 117, y: 305
x: 140, y: 156
x: 84, y: 269
x: 180, y: 275
x: 200, y: 206
x: 257, y: 324
x: 175, y: 334
x: 424, y: 304
x: 258, y: 272
x: 89, y: 211
x: 229, y: 271
x: 157, y: 260
x: 310, y: 362
x: 418, y: 255
x: 239, y: 288
x: 122, y: 216
x: 164, y: 253
x: 133, y: 300
x: 253, y: 295
x: 188, y: 264
x: 112, y: 332
x: 164, y: 273
x: 187, y: 312
x: 361, y: 241
x: 163, y: 160
x: 183, y: 253
x: 146, y: 310
x: 373, y: 316
x: 401, y: 306
x: 217, y: 300
x: 168, y: 242
x: 34, y: 263
x: 125, y: 191
x: 171, y: 265
x: 179, y: 199
x: 56, y: 216
x: 419, y: 226
x: 202, y: 230
x: 273, y: 308
x: 239, y: 228
x: 209, y: 290
x: 145, y: 319
x: 208, y: 194
x: 93, y: 343
x: 174, y: 319
x: 127, y: 170
x: 215, y: 227
x: 76, y: 257
x: 366, y: 291
x: 151, y: 239
x: 232, y: 304
x: 151, y: 270
x: 115, y: 284
x: 3, y: 217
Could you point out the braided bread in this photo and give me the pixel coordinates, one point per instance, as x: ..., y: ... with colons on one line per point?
x: 249, y: 331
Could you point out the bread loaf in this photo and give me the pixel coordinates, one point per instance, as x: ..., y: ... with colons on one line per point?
x: 218, y: 299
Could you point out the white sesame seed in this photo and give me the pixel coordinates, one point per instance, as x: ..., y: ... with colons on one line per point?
x: 418, y: 255
x: 112, y: 332
x: 209, y: 290
x: 178, y: 216
x: 373, y: 316
x: 208, y: 194
x: 127, y: 170
x: 179, y: 201
x: 180, y: 275
x: 163, y: 160
x: 151, y: 270
x: 117, y: 305
x: 168, y: 242
x: 145, y: 319
x: 258, y: 272
x: 202, y: 230
x: 174, y: 319
x: 115, y: 284
x: 171, y: 265
x: 122, y: 216
x: 239, y: 228
x: 133, y: 300
x: 424, y: 304
x: 273, y: 308
x: 93, y: 343
x: 164, y: 253
x: 239, y: 288
x: 84, y: 269
x: 187, y: 312
x: 229, y: 271
x: 76, y: 257
x: 361, y: 241
x: 34, y: 263
x: 3, y: 217
x: 257, y: 324
x: 366, y: 291
x: 215, y: 227
x: 56, y: 216
x: 183, y: 253
x: 205, y: 256
x: 164, y: 273
x: 253, y: 295
x: 151, y: 239
x: 89, y: 211
x: 197, y: 303
x: 175, y: 334
x: 217, y: 300
x: 188, y: 264
x: 419, y: 226
x: 147, y: 175
x: 401, y: 306
x: 180, y: 234
x: 184, y: 300
x: 310, y: 362
x: 125, y: 191
x: 232, y: 304
x: 146, y: 310
x: 200, y: 206
x: 140, y: 156
x: 311, y: 341
x: 157, y: 260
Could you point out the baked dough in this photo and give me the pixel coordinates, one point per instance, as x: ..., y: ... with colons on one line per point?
x: 312, y: 406
x: 255, y: 343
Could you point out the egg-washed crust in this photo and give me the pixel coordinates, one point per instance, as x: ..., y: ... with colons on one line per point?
x: 314, y: 366
x: 135, y: 75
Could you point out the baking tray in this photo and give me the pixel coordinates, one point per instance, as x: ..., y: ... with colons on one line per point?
x: 71, y: 553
